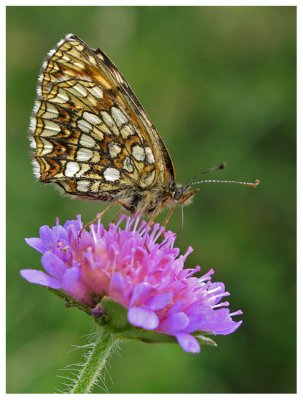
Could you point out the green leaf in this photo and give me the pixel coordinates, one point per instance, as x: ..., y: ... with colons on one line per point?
x: 146, y: 336
x: 204, y: 340
x: 70, y: 302
x: 114, y: 314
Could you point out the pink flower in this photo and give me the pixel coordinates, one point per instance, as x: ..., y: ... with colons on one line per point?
x: 138, y: 267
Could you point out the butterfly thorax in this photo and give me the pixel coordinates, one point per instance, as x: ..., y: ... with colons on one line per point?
x: 155, y: 199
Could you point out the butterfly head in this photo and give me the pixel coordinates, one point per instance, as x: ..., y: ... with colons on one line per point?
x: 182, y: 194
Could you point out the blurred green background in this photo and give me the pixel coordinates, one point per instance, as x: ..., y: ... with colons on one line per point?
x: 220, y: 85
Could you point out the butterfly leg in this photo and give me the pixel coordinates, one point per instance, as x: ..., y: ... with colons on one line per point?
x: 168, y: 216
x: 153, y: 216
x: 118, y: 214
x: 99, y: 216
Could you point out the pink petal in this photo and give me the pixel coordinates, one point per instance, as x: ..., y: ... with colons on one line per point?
x: 36, y: 243
x: 40, y: 278
x: 140, y: 293
x: 47, y: 235
x: 174, y: 323
x: 188, y: 342
x: 143, y: 318
x: 118, y: 289
x: 53, y: 265
x: 72, y: 285
x: 159, y: 301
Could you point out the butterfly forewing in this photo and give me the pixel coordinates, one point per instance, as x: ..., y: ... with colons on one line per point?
x: 91, y: 135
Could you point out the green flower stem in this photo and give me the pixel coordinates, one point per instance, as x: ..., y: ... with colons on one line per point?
x: 95, y: 361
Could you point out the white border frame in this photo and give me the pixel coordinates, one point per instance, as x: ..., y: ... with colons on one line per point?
x: 299, y: 186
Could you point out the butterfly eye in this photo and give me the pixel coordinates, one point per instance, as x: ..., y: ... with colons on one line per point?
x: 178, y: 193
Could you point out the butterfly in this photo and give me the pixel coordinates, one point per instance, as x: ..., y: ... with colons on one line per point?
x: 92, y: 138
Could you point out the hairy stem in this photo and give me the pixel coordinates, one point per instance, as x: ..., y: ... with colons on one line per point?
x: 95, y: 361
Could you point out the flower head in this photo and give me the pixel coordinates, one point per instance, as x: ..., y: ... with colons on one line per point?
x: 137, y: 266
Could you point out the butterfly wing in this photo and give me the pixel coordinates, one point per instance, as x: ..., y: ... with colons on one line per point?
x: 91, y: 135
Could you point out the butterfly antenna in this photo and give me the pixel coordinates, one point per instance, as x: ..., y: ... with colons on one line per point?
x: 212, y: 169
x: 250, y: 184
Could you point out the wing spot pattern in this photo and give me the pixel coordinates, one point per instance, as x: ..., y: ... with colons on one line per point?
x: 138, y: 153
x: 71, y: 168
x: 111, y: 174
